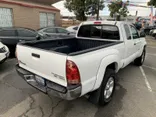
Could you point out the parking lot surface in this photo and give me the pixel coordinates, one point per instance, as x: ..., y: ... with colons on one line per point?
x: 135, y: 94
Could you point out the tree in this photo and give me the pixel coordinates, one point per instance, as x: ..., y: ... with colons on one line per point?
x: 118, y: 7
x: 93, y: 7
x: 152, y: 2
x: 81, y: 8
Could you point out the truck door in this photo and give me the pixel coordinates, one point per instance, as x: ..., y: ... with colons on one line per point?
x: 136, y: 39
x: 129, y: 46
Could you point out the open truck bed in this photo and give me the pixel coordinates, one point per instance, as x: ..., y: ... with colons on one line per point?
x: 71, y: 46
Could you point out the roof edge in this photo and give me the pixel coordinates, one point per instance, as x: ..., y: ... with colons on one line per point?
x: 29, y: 5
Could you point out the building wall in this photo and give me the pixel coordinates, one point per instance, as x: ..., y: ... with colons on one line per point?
x: 29, y: 17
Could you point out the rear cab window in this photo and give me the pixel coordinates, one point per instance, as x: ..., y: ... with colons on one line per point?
x: 110, y: 32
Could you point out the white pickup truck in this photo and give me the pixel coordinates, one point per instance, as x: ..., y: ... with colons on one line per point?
x: 4, y: 52
x: 87, y: 64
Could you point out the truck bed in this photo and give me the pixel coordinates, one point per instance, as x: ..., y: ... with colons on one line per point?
x: 70, y: 46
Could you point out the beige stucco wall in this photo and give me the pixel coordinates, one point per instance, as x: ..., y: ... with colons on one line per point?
x: 29, y: 17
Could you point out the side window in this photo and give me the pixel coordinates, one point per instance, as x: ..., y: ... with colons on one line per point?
x: 60, y: 30
x: 25, y: 33
x: 7, y: 33
x: 128, y: 33
x: 134, y: 33
x: 75, y: 28
x: 50, y: 30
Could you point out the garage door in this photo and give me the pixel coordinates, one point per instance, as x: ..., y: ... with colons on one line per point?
x: 47, y: 19
x: 5, y: 17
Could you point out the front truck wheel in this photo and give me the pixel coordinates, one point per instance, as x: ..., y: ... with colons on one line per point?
x: 107, y: 87
x: 140, y: 60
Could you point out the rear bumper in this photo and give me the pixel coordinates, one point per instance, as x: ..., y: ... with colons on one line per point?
x: 50, y: 88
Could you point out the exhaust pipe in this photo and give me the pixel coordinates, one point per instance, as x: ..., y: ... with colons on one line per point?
x: 29, y: 78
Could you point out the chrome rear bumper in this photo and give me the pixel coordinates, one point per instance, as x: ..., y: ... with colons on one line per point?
x: 50, y: 88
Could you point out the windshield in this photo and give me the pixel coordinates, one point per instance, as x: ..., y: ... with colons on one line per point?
x: 110, y: 32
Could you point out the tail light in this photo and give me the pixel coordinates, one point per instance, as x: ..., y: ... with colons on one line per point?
x: 97, y: 22
x: 72, y: 73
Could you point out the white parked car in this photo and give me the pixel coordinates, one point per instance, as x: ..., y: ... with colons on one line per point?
x: 4, y: 52
x: 85, y: 64
x: 73, y: 29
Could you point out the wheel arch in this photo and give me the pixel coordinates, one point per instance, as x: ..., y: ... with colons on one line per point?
x: 111, y: 62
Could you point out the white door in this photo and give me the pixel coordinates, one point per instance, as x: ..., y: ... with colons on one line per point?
x: 136, y: 39
x: 5, y: 17
x: 129, y: 46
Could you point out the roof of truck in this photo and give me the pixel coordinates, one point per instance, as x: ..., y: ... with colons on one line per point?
x: 105, y: 22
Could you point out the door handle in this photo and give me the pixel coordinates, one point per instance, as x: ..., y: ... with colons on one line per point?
x: 35, y: 55
x: 136, y: 43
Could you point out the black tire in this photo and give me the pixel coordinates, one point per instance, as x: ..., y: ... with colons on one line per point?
x: 140, y: 60
x: 109, y: 74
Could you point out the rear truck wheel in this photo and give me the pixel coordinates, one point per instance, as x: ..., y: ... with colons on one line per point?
x: 107, y: 87
x: 140, y: 60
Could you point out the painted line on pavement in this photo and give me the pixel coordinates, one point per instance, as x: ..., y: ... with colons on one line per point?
x: 151, y: 54
x: 149, y: 67
x: 146, y: 80
x: 151, y: 47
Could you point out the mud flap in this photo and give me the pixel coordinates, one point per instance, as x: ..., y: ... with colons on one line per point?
x: 94, y: 96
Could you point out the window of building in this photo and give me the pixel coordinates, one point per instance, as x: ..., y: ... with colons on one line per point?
x: 47, y: 19
x: 5, y: 17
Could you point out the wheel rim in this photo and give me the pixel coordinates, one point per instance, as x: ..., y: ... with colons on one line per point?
x: 109, y: 88
x: 143, y: 57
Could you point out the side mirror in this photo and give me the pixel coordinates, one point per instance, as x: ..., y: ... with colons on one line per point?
x: 142, y: 34
x: 38, y: 37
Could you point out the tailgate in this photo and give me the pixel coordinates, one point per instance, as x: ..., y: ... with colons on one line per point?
x: 43, y: 63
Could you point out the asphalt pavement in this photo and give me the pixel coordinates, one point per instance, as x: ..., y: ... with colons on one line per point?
x: 135, y: 94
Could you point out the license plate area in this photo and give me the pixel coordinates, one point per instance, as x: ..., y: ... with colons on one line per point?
x: 40, y: 80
